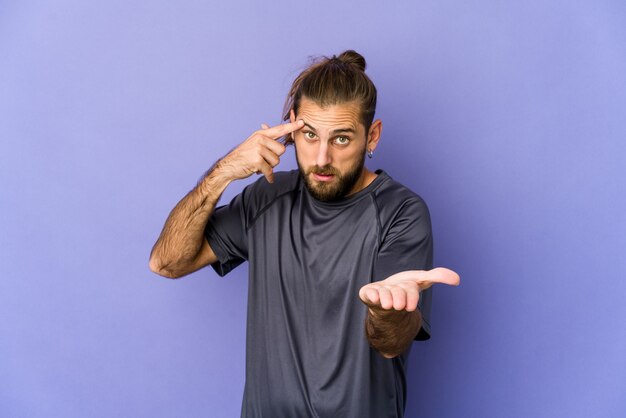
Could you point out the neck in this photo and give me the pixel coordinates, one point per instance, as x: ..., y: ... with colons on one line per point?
x: 366, y: 178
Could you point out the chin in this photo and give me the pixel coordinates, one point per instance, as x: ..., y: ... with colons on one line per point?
x: 325, y: 192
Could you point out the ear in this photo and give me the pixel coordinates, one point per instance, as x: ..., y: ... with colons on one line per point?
x: 292, y: 116
x: 373, y: 135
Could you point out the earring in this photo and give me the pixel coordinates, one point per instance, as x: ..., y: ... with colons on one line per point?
x: 370, y: 154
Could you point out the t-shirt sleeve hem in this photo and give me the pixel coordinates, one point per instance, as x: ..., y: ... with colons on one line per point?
x: 224, y: 264
x: 424, y: 333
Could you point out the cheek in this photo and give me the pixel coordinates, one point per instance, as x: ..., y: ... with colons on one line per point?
x: 349, y: 157
x: 302, y: 153
x: 304, y: 150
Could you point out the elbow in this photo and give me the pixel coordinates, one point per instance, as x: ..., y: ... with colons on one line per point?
x: 156, y: 266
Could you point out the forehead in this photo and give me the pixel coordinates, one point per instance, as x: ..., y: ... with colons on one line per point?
x: 343, y: 115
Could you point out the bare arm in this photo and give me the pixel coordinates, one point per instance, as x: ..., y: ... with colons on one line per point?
x: 391, y: 332
x: 182, y: 248
x: 393, y: 319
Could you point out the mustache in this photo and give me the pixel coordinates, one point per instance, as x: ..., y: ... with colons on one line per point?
x: 324, y: 171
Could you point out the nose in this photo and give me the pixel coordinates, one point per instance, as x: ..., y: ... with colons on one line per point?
x: 323, y: 154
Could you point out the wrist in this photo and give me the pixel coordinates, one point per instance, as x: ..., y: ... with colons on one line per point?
x: 391, y: 315
x: 390, y: 332
x: 216, y: 179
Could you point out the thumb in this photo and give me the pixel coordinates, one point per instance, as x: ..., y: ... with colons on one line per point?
x: 442, y: 275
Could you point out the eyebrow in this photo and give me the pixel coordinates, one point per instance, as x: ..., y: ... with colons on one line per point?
x: 334, y: 131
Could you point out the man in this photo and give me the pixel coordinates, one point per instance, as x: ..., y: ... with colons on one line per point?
x: 338, y: 254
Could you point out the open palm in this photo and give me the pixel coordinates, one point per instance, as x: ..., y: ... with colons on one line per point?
x: 401, y: 290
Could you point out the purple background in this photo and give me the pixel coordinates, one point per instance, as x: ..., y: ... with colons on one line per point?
x: 509, y: 119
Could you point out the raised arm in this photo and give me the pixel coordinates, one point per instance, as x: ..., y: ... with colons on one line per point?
x: 393, y: 319
x: 181, y: 248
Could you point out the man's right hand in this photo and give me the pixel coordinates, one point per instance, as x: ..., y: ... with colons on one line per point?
x: 260, y: 153
x: 182, y: 247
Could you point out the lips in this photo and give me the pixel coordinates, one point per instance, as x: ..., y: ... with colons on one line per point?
x: 323, y: 177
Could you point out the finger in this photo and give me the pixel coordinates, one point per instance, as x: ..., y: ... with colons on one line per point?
x: 425, y: 278
x: 267, y: 171
x: 423, y: 285
x: 275, y: 146
x: 369, y: 294
x: 407, y: 275
x: 283, y: 129
x: 399, y: 298
x: 363, y: 294
x: 373, y: 296
x: 386, y: 299
x: 412, y: 296
x: 442, y: 275
x: 271, y: 158
x: 265, y: 126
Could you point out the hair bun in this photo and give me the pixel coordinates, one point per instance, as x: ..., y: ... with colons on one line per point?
x: 352, y: 57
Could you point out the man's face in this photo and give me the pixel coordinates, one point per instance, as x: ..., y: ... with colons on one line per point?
x: 330, y: 148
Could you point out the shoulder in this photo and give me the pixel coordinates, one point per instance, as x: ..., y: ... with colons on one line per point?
x: 394, y: 200
x: 261, y: 194
x: 284, y: 182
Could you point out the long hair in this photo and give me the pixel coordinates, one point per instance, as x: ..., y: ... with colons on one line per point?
x: 328, y: 81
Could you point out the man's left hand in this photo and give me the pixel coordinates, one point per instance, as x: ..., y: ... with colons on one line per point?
x: 400, y: 292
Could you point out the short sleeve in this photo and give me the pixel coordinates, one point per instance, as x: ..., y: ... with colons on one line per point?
x: 407, y: 244
x: 226, y: 234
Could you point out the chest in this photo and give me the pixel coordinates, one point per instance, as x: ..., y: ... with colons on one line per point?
x: 325, y: 249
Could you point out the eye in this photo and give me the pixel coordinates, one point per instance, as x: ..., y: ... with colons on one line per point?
x: 309, y: 135
x: 342, y: 140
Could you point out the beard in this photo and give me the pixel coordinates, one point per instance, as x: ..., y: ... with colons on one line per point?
x: 340, y: 185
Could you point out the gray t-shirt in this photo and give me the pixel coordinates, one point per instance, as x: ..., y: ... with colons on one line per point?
x: 307, y: 354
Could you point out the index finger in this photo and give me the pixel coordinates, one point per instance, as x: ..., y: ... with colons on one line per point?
x: 277, y: 131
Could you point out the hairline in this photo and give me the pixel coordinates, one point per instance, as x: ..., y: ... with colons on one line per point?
x: 360, y: 104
